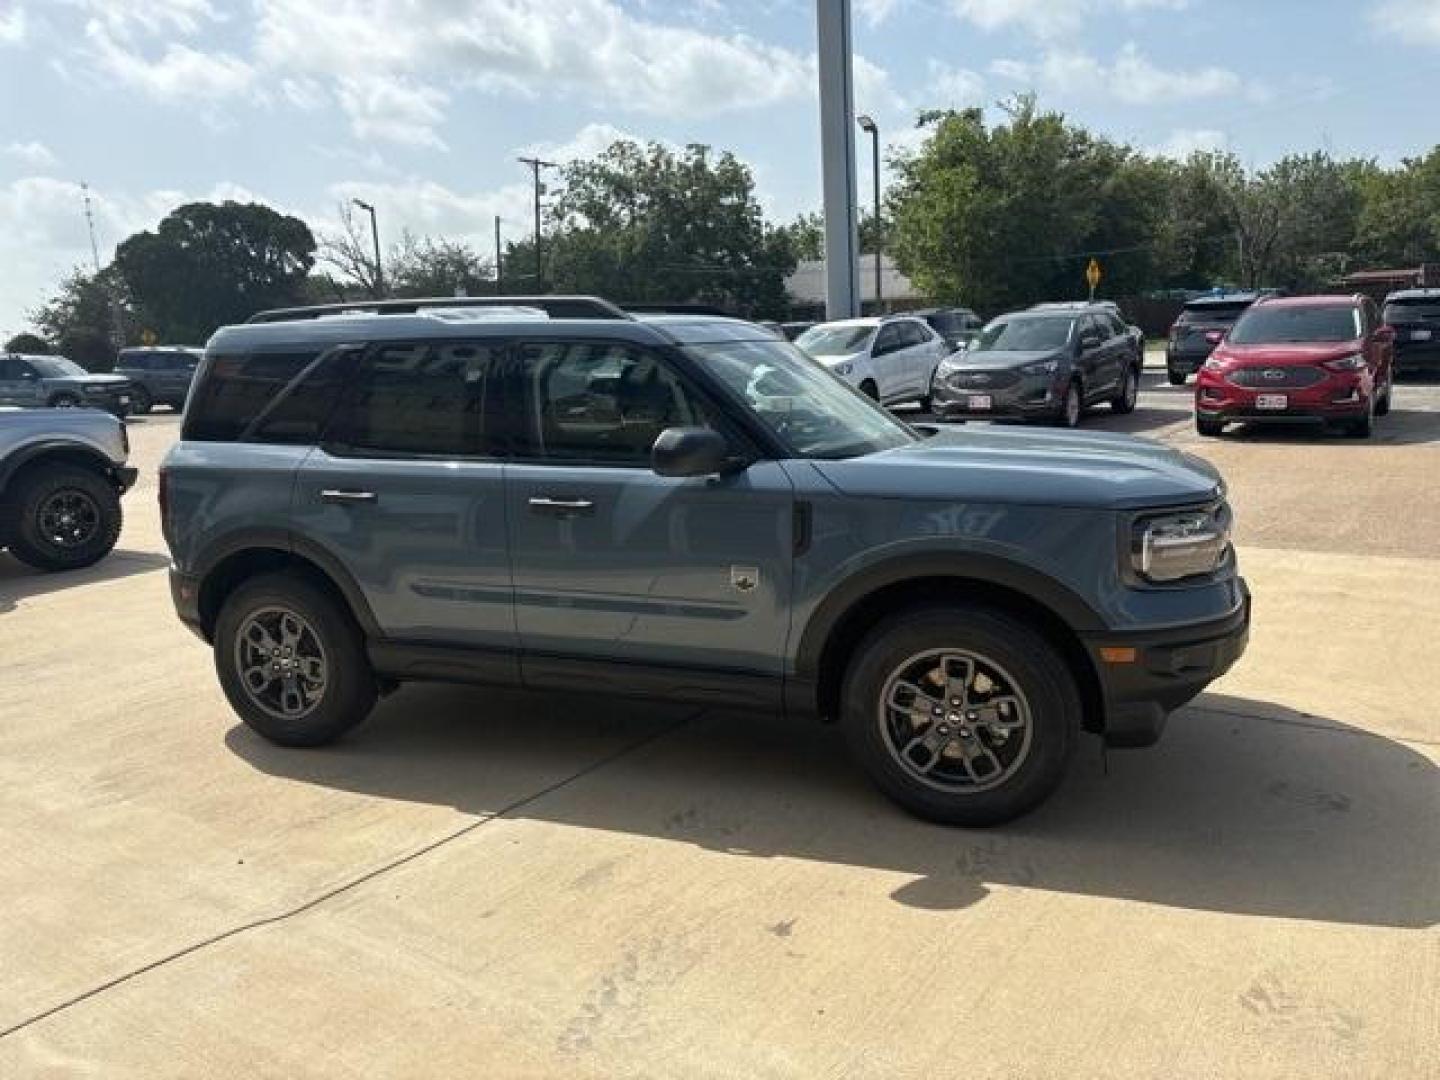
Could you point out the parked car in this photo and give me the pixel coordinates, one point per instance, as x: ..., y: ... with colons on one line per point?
x: 684, y: 509
x: 1414, y: 314
x: 61, y: 478
x: 54, y: 381
x: 1312, y: 359
x: 1202, y: 324
x: 1047, y: 365
x: 158, y: 376
x: 890, y: 360
x: 1090, y: 305
x: 957, y: 325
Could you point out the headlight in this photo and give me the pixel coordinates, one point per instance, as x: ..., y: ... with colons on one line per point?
x: 842, y: 369
x: 1347, y: 363
x: 1170, y: 547
x: 1212, y: 364
x: 1043, y: 367
x: 950, y: 364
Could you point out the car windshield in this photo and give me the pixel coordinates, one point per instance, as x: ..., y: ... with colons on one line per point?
x: 1023, y: 335
x: 813, y: 412
x: 834, y: 340
x: 1280, y: 325
x: 1403, y: 311
x: 57, y: 367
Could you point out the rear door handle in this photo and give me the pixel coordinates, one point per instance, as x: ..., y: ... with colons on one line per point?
x: 345, y: 498
x: 542, y: 504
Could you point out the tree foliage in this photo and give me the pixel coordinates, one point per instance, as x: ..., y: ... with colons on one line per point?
x: 27, y: 343
x: 210, y: 264
x: 88, y: 318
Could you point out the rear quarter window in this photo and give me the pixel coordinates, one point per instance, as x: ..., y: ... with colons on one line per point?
x: 234, y: 389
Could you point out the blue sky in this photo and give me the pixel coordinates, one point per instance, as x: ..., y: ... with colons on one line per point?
x: 421, y: 106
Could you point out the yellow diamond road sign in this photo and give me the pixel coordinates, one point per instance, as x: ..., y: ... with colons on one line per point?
x: 1092, y: 274
x: 148, y: 337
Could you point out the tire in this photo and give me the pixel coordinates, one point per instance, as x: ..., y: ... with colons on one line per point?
x: 67, y: 517
x: 1072, y: 406
x: 347, y: 686
x: 1382, y: 403
x: 870, y: 390
x: 1211, y: 429
x: 1034, y: 761
x: 1177, y: 378
x: 140, y: 401
x: 1124, y: 400
x: 64, y: 401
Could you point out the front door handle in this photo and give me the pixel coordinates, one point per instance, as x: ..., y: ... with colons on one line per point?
x: 542, y: 504
x: 346, y: 498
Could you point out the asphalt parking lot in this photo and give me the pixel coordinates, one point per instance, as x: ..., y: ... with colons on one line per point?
x: 484, y: 885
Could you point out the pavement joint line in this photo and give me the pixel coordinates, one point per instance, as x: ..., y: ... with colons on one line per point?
x: 1313, y: 725
x: 352, y: 883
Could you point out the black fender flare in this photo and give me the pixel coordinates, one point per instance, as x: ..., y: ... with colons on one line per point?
x: 18, y: 459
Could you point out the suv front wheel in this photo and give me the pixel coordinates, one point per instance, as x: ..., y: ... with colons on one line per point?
x: 963, y: 715
x: 66, y: 517
x: 292, y: 661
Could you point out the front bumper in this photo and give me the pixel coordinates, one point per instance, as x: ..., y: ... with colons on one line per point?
x: 1164, y: 670
x: 1336, y: 398
x: 1032, y: 396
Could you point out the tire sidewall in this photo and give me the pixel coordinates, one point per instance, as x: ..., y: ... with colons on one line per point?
x: 30, y: 547
x: 350, y: 683
x: 1026, y: 655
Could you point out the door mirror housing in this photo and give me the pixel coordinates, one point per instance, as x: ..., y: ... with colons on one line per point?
x: 1089, y: 341
x: 1384, y: 333
x: 690, y: 451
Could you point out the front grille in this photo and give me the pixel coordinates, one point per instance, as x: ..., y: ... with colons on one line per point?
x: 981, y: 381
x: 1278, y: 378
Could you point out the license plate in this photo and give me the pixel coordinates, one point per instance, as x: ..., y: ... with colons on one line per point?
x: 978, y: 402
x: 1271, y: 401
x: 1420, y: 335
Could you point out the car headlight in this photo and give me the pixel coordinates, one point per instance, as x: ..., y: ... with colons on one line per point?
x: 1041, y: 367
x: 950, y: 365
x: 842, y: 369
x: 1353, y: 362
x: 1213, y: 364
x: 1169, y: 547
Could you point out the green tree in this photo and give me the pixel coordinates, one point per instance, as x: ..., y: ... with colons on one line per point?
x: 1399, y: 220
x: 30, y: 344
x: 88, y: 317
x: 210, y: 264
x: 427, y: 267
x: 644, y: 223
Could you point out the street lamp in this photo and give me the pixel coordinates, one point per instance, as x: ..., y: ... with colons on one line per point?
x: 868, y: 125
x: 375, y: 236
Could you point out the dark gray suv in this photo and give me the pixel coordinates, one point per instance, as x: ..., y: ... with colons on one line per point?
x: 158, y: 376
x: 556, y: 496
x: 1047, y: 365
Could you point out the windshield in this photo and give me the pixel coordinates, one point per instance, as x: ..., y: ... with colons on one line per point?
x: 1280, y: 325
x: 1402, y: 311
x: 1023, y: 335
x: 808, y: 408
x: 835, y: 340
x: 57, y: 367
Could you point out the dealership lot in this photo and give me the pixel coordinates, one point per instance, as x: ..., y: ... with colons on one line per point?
x: 510, y: 887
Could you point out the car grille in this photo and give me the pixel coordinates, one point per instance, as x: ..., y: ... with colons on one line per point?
x: 981, y: 381
x: 1279, y: 378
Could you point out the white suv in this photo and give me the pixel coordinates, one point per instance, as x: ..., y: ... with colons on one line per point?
x: 891, y: 360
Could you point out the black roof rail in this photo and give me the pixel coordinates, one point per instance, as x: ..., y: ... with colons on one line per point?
x: 557, y: 307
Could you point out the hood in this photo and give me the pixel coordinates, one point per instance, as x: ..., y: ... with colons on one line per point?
x: 1031, y: 467
x: 1292, y: 353
x: 1002, y: 359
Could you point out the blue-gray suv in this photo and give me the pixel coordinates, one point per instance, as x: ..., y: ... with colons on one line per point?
x: 558, y: 496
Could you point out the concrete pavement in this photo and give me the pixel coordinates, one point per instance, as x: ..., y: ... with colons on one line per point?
x: 493, y: 885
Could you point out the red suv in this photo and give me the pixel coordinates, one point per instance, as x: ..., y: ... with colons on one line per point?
x: 1318, y: 359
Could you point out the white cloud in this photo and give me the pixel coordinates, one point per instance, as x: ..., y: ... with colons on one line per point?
x: 1182, y: 142
x: 954, y: 88
x: 875, y: 12
x: 1132, y: 78
x: 35, y: 155
x: 12, y: 26
x: 589, y: 141
x: 125, y: 18
x: 1048, y: 18
x: 180, y: 74
x: 394, y: 108
x: 1408, y: 21
x: 428, y: 208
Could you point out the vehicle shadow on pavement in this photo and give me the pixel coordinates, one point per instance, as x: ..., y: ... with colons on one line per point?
x: 1400, y: 427
x: 1243, y: 808
x: 20, y: 582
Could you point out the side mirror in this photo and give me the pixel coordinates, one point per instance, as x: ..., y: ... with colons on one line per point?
x: 1089, y: 341
x: 1384, y: 333
x: 689, y: 451
x: 1214, y: 337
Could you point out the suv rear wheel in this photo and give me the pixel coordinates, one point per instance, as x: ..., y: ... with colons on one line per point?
x: 1072, y: 406
x: 963, y: 715
x: 66, y: 517
x: 1124, y: 400
x: 292, y: 661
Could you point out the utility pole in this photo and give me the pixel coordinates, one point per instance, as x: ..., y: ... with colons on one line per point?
x: 536, y: 164
x: 117, y: 330
x: 837, y: 157
x: 868, y: 125
x: 90, y: 224
x: 375, y: 237
x: 499, y: 265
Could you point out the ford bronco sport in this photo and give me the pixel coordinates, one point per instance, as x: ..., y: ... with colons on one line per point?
x: 555, y: 495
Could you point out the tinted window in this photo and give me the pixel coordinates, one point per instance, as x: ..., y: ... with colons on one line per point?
x: 56, y: 367
x: 235, y: 389
x: 1211, y: 314
x: 421, y: 399
x: 887, y: 339
x: 9, y: 368
x: 134, y: 361
x: 1278, y: 325
x: 1023, y: 334
x: 1403, y: 311
x: 601, y: 403
x: 834, y: 340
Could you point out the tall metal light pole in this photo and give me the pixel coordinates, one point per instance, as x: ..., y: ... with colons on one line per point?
x: 869, y: 126
x: 375, y: 236
x: 499, y: 265
x: 837, y: 156
x: 536, y: 164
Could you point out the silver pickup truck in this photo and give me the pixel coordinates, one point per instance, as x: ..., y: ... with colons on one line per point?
x: 62, y: 472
